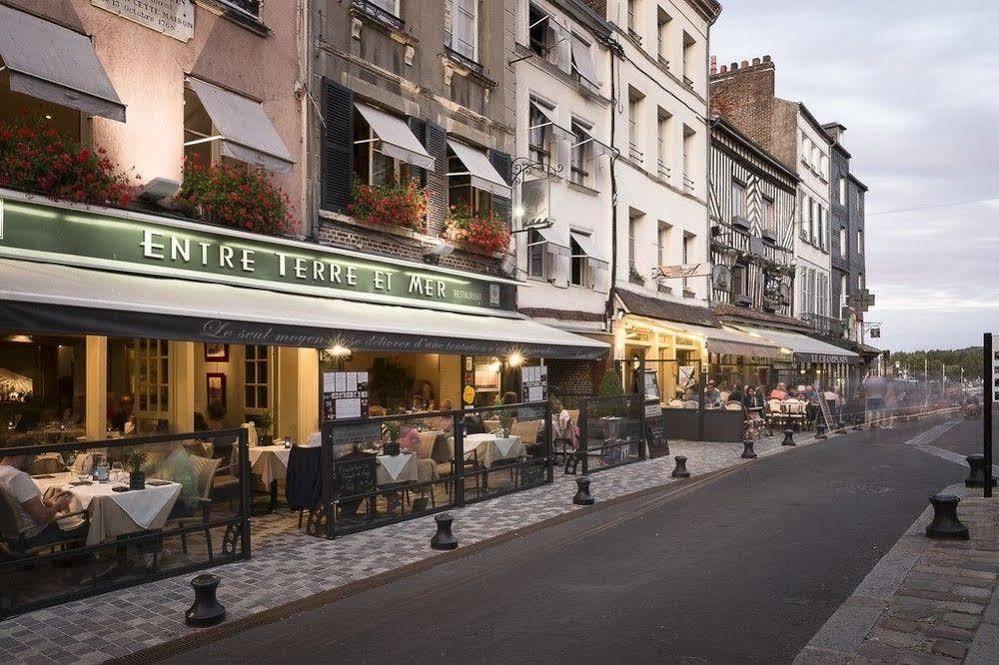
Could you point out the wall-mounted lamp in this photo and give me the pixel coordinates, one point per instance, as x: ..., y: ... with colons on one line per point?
x: 515, y: 359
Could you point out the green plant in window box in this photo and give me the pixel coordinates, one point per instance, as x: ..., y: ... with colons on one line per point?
x: 480, y: 233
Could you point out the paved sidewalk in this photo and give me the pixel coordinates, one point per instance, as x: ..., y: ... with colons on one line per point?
x: 288, y: 565
x: 926, y: 602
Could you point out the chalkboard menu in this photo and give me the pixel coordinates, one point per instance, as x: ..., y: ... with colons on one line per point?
x: 345, y: 395
x: 354, y: 474
x: 653, y: 407
x: 534, y: 383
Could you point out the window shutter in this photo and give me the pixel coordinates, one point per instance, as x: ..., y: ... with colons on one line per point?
x: 435, y: 141
x: 419, y: 129
x: 337, y: 146
x: 503, y: 164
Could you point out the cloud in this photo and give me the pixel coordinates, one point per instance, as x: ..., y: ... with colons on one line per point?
x: 915, y: 83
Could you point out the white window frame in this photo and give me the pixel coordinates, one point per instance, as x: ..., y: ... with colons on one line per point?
x: 391, y: 6
x: 581, y: 153
x: 253, y: 381
x: 581, y: 257
x: 537, y: 243
x: 151, y: 353
x: 844, y: 241
x: 842, y: 190
x: 739, y: 199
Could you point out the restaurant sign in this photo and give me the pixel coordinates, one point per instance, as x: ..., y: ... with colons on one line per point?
x: 174, y: 18
x: 162, y: 247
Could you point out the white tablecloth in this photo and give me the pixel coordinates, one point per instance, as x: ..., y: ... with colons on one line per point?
x: 269, y: 462
x: 397, y: 468
x: 113, y: 513
x: 489, y: 448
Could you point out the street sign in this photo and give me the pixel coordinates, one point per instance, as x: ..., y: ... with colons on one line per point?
x: 875, y: 333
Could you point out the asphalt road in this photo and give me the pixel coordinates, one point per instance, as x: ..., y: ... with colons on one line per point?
x: 742, y: 569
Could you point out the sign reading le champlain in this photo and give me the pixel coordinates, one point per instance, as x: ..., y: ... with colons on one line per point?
x: 163, y: 247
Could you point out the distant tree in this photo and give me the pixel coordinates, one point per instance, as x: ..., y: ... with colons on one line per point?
x: 951, y: 360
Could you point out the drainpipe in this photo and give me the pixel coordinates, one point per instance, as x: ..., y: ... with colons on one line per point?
x: 615, y: 52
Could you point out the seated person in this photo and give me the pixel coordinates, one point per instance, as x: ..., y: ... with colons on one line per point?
x: 737, y: 395
x: 780, y: 392
x: 443, y: 423
x: 712, y: 396
x: 36, y: 515
x: 753, y: 401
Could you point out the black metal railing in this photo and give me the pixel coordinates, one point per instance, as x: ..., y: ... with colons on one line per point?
x: 611, y: 432
x: 251, y: 7
x: 193, y: 512
x: 826, y: 326
x: 378, y: 471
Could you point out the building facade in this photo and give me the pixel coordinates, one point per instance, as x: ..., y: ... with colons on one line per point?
x: 745, y: 94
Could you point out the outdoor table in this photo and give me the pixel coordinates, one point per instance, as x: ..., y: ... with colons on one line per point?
x: 114, y: 514
x: 399, y: 468
x: 271, y: 464
x: 489, y: 448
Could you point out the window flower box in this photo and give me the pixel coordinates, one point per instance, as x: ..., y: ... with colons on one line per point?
x: 483, y: 234
x: 235, y: 197
x: 399, y: 206
x: 35, y: 157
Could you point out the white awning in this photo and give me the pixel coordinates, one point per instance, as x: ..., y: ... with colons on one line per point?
x: 582, y: 59
x: 397, y: 138
x: 478, y: 167
x: 245, y: 131
x: 585, y: 243
x: 806, y: 349
x: 548, y: 238
x: 42, y: 297
x: 50, y: 62
x: 549, y: 116
x: 729, y: 342
x: 599, y: 147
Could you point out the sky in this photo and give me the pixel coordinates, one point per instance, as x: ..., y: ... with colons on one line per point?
x: 917, y: 85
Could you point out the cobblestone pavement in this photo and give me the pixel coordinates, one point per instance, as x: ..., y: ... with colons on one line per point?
x: 288, y: 565
x: 926, y: 602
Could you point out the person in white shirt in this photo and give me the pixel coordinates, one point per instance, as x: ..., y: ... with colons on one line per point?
x: 875, y: 389
x: 36, y: 515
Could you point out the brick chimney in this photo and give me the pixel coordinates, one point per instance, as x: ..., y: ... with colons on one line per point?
x: 743, y: 93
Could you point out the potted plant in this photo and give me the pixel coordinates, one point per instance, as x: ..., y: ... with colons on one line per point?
x: 391, y: 431
x: 610, y: 405
x: 263, y: 423
x: 136, y: 476
x: 482, y: 233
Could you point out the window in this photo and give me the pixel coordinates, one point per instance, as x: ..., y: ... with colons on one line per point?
x: 391, y: 6
x: 842, y: 190
x: 738, y: 201
x: 662, y: 244
x: 812, y: 289
x: 582, y: 61
x: 152, y: 380
x: 688, y: 158
x: 805, y: 208
x: 662, y: 32
x: 811, y: 220
x: 769, y: 214
x: 688, y: 243
x: 860, y: 202
x: 823, y: 167
x: 371, y: 165
x: 581, y: 153
x: 842, y: 291
x: 663, y: 126
x: 689, y: 59
x: 465, y: 28
x: 539, y: 133
x: 740, y: 281
x: 843, y: 242
x: 634, y: 19
x: 536, y: 250
x: 823, y: 228
x: 257, y: 383
x: 460, y: 191
x: 633, y: 221
x: 634, y: 138
x: 822, y: 295
x: 860, y: 281
x: 541, y: 33
x: 860, y: 241
x: 580, y: 265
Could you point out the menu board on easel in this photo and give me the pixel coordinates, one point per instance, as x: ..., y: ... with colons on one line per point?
x: 534, y: 383
x: 653, y: 405
x: 345, y: 395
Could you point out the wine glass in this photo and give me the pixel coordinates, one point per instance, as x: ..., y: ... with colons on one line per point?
x: 117, y: 473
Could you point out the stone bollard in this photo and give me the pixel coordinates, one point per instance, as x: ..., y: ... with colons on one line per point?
x: 821, y: 430
x: 976, y: 471
x: 945, y: 523
x: 444, y: 539
x: 206, y: 610
x: 681, y: 467
x: 747, y: 449
x: 788, y: 438
x: 583, y: 496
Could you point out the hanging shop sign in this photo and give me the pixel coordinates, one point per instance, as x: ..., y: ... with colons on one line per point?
x: 163, y: 247
x: 174, y: 18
